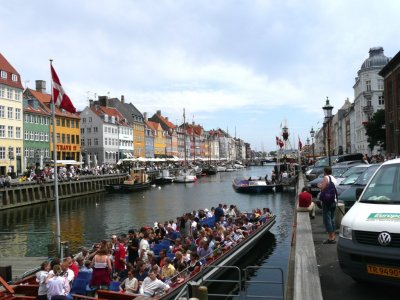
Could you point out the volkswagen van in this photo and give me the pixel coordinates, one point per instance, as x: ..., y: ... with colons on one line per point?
x: 369, y: 239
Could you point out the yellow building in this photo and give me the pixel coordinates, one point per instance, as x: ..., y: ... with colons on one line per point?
x: 159, y: 138
x: 11, y: 121
x: 68, y: 144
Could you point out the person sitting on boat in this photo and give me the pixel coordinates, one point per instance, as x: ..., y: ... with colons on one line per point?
x: 273, y: 177
x: 231, y: 213
x: 153, y: 286
x: 168, y: 270
x: 204, y: 248
x: 194, y: 263
x: 130, y: 284
x: 179, y: 259
x: 41, y: 278
x: 141, y: 272
x: 266, y: 179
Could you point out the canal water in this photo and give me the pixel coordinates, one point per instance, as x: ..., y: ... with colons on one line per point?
x: 30, y: 230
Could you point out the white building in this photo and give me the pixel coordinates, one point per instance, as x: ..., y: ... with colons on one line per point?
x: 368, y: 96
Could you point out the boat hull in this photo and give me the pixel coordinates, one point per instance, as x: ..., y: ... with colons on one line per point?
x: 124, y: 188
x: 242, y: 185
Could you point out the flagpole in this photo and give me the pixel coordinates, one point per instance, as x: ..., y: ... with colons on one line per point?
x: 57, y: 204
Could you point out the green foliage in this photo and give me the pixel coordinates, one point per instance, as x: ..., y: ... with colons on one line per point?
x: 375, y: 130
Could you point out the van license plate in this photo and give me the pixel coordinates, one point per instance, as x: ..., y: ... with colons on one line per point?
x: 383, y: 271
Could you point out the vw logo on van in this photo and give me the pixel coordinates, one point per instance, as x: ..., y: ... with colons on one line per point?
x: 384, y: 238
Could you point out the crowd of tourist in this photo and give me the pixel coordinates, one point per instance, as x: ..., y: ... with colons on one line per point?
x: 150, y: 260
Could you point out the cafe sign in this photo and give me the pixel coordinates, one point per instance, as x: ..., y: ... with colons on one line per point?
x: 66, y: 147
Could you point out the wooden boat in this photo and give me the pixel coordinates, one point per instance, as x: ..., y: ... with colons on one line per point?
x: 252, y: 185
x: 137, y: 180
x: 27, y: 288
x: 210, y: 269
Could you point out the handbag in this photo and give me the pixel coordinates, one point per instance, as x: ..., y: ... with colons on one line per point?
x: 329, y: 193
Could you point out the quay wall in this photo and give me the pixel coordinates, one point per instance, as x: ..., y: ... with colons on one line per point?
x: 30, y: 193
x: 303, y: 275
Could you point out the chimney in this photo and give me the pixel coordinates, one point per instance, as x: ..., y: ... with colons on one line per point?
x: 103, y: 100
x: 122, y: 99
x: 145, y: 116
x: 159, y: 112
x: 41, y: 86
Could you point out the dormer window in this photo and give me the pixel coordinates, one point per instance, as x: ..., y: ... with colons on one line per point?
x: 3, y: 74
x: 14, y: 77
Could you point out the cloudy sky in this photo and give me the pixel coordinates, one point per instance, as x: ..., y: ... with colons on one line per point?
x: 243, y: 66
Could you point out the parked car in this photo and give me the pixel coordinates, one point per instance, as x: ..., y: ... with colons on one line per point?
x: 349, y: 177
x: 348, y: 197
x: 318, y: 168
x: 337, y: 171
x: 349, y: 157
x: 369, y: 238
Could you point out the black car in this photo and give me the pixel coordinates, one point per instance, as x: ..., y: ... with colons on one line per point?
x: 337, y: 171
x: 349, y: 195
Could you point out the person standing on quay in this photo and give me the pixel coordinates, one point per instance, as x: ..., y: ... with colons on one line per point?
x: 329, y: 209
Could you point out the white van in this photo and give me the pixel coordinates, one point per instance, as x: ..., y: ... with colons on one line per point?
x: 369, y: 239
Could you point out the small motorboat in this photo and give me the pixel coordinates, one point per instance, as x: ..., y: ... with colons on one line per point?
x: 137, y: 180
x: 253, y: 184
x: 164, y: 177
x: 186, y: 176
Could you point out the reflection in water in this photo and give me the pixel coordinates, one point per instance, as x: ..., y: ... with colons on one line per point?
x: 86, y: 220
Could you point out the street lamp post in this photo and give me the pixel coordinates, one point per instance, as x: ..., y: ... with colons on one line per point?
x: 312, y: 133
x: 328, y: 115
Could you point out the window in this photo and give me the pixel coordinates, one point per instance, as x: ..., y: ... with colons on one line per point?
x: 27, y: 118
x: 82, y: 130
x: 72, y: 139
x: 380, y: 84
x: 77, y: 124
x: 9, y: 93
x: 68, y: 139
x: 10, y: 113
x: 26, y: 135
x: 72, y: 124
x: 82, y: 142
x: 63, y: 138
x: 42, y: 136
x: 26, y: 150
x: 63, y: 122
x: 368, y: 85
x: 89, y: 142
x: 36, y: 136
x: 84, y: 120
x: 17, y: 95
x: 68, y: 123
x: 46, y: 136
x: 95, y: 129
x: 77, y: 139
x: 58, y: 138
x: 18, y: 151
x: 18, y: 114
x: 381, y: 101
x: 46, y: 152
x: 2, y: 151
x: 89, y: 130
x: 2, y: 92
x: 106, y: 141
x: 2, y: 108
x: 18, y: 132
x: 58, y: 122
x: 32, y: 134
x: 10, y: 131
x: 96, y: 141
x: 2, y: 131
x: 4, y: 74
x: 90, y: 119
x: 14, y: 77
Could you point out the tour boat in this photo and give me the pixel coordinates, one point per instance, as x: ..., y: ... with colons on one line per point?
x: 253, y: 184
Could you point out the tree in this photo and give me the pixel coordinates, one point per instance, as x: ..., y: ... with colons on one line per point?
x: 375, y: 130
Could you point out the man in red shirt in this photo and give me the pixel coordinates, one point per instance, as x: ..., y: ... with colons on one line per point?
x: 305, y: 202
x: 120, y: 255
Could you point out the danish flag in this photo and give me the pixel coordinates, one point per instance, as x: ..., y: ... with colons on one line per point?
x: 60, y: 98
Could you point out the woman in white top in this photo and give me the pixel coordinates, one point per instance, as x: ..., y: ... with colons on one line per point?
x: 101, y: 265
x: 130, y: 284
x: 56, y: 283
x: 41, y: 277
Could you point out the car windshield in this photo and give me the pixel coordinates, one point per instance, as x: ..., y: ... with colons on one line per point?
x: 351, y: 171
x: 337, y: 172
x: 322, y: 162
x: 366, y: 175
x: 384, y: 187
x: 351, y: 178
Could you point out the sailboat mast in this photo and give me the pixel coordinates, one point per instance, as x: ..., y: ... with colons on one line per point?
x: 184, y: 135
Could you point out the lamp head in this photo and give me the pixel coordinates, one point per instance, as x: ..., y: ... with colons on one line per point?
x: 327, y: 109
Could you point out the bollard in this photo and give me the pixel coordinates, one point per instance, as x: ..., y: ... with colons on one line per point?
x: 339, y: 213
x: 202, y: 292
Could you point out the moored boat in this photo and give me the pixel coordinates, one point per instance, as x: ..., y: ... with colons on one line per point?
x: 137, y: 180
x: 164, y: 177
x: 252, y: 185
x: 186, y: 176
